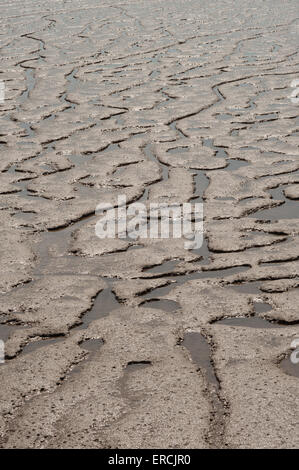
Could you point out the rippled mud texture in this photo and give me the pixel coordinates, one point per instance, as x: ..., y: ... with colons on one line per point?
x: 141, y: 343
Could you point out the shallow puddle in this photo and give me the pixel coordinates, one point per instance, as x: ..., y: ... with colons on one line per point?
x: 201, y: 183
x: 136, y: 365
x: 6, y: 331
x: 166, y: 267
x: 181, y: 279
x: 289, y: 209
x: 92, y: 345
x: 34, y: 345
x: 236, y: 164
x: 148, y: 150
x: 200, y: 352
x: 159, y: 291
x: 124, y: 382
x: 203, y: 252
x: 215, y: 273
x: 161, y: 304
x: 248, y: 322
x: 104, y: 303
x: 246, y: 288
x: 262, y: 307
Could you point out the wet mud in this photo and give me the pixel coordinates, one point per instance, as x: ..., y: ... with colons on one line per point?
x: 151, y: 344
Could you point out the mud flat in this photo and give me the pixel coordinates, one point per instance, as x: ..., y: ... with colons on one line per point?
x: 126, y: 343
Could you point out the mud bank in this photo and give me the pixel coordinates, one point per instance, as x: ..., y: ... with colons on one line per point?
x: 141, y: 343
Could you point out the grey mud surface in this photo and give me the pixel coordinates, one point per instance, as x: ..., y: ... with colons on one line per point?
x: 119, y: 343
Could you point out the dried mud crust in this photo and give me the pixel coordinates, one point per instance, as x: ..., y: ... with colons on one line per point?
x: 162, y: 102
